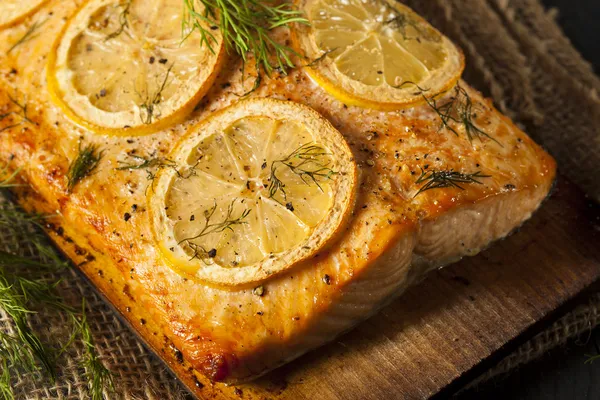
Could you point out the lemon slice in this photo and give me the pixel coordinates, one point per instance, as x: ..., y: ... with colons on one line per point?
x: 124, y: 67
x: 14, y: 11
x: 375, y: 53
x: 256, y: 189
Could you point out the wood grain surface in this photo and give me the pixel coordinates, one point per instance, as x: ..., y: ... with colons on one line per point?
x: 458, y: 317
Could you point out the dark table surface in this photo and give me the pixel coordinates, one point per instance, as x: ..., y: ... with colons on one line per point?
x: 562, y: 373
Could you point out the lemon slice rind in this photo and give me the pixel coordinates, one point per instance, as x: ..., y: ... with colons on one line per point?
x: 130, y: 122
x: 326, y: 74
x: 321, y: 236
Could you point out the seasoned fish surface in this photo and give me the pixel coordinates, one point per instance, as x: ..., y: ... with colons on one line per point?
x: 398, y: 230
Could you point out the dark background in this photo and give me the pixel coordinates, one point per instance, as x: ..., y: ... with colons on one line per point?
x: 562, y: 373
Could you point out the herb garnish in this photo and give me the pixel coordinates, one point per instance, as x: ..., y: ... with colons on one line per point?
x: 23, y: 350
x: 123, y: 20
x: 31, y: 33
x: 444, y: 179
x: 217, y: 227
x: 245, y: 26
x: 7, y: 178
x: 401, y: 22
x: 458, y: 109
x: 147, y: 164
x: 86, y: 162
x: 22, y: 114
x: 151, y: 102
x: 320, y: 58
x: 310, y: 162
x: 16, y: 293
x: 99, y: 378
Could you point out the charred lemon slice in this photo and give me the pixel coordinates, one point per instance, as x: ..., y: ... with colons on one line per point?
x: 375, y: 53
x: 126, y: 67
x: 14, y: 11
x: 252, y: 191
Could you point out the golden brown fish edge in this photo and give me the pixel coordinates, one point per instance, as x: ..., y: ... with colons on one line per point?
x: 92, y: 265
x: 96, y: 267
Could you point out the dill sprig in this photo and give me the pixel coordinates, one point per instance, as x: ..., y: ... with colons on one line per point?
x: 401, y: 21
x: 30, y: 34
x: 411, y: 83
x: 13, y: 354
x: 445, y: 179
x: 98, y: 376
x: 7, y: 178
x: 21, y: 113
x: 310, y: 162
x: 83, y: 165
x: 228, y: 222
x: 458, y: 109
x: 245, y: 27
x: 148, y: 164
x: 23, y: 350
x: 123, y: 20
x: 151, y: 101
x: 591, y: 358
x: 320, y: 58
x: 14, y: 300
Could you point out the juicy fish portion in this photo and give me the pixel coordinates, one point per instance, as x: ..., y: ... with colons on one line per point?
x: 397, y: 232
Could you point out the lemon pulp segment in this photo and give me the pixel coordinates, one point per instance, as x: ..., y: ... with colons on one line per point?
x: 126, y: 67
x: 375, y: 53
x: 256, y: 189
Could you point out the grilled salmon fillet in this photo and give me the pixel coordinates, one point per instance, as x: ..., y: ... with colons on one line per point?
x: 397, y: 231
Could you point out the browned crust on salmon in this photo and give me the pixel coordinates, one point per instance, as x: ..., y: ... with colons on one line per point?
x: 209, y: 334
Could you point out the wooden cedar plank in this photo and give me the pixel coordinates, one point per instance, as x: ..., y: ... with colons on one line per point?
x: 442, y: 328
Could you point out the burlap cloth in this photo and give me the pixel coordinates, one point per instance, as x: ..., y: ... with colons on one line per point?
x: 516, y: 54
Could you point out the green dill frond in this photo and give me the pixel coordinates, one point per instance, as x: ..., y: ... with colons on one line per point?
x: 84, y: 164
x: 11, y: 217
x: 21, y: 114
x: 245, y: 27
x: 228, y: 222
x: 8, y: 260
x: 30, y: 34
x: 310, y: 162
x: 458, y: 109
x: 320, y: 58
x: 6, y: 392
x: 123, y: 20
x: 411, y: 83
x: 150, y: 102
x: 7, y: 178
x: 445, y: 179
x: 592, y: 358
x: 99, y: 377
x: 150, y: 165
x: 23, y: 350
x: 15, y: 303
x: 13, y: 353
x: 401, y: 22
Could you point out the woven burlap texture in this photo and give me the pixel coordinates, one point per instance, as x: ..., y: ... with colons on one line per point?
x: 137, y: 373
x: 516, y: 54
